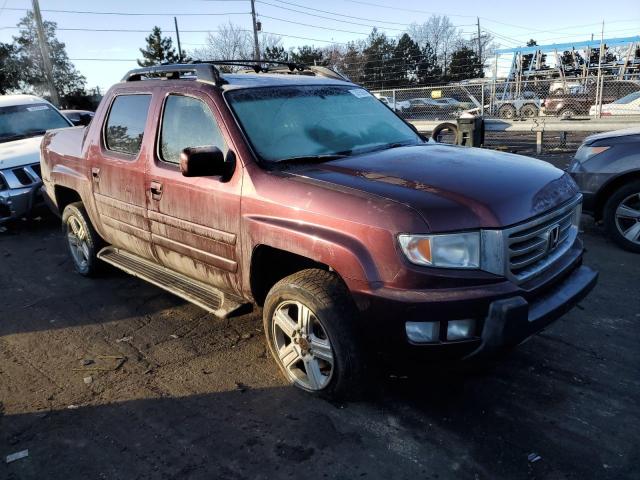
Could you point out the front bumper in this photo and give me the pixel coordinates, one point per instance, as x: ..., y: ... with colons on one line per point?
x: 22, y: 193
x: 514, y: 319
x: 505, y: 314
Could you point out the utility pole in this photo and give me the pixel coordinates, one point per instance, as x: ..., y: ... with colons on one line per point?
x: 256, y: 47
x: 44, y: 51
x: 175, y: 21
x: 479, y: 42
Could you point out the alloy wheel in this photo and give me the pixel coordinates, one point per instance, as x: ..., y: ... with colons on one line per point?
x: 302, y: 345
x: 627, y: 218
x: 77, y: 239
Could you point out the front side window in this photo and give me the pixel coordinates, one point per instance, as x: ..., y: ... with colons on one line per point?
x: 30, y: 120
x: 187, y: 122
x: 293, y: 122
x: 125, y: 126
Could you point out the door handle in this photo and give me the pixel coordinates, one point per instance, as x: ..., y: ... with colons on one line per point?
x: 95, y: 174
x: 156, y: 190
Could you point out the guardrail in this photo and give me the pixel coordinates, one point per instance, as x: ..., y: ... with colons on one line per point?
x: 540, y: 125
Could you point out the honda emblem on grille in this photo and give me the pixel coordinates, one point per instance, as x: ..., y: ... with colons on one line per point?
x: 553, y: 237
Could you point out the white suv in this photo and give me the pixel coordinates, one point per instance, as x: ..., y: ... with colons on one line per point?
x: 24, y: 119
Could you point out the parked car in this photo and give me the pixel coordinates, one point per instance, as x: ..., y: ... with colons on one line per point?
x: 78, y: 117
x: 559, y: 87
x: 606, y: 167
x: 430, y: 108
x: 396, y: 105
x: 627, y: 105
x: 350, y: 231
x: 23, y: 121
x: 569, y: 106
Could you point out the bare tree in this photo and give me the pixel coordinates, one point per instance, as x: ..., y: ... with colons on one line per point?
x: 230, y: 42
x: 439, y: 33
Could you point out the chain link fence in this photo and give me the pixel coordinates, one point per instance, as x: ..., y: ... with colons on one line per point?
x: 559, y: 99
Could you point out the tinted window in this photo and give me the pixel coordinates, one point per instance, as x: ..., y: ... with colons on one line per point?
x: 187, y: 122
x: 125, y: 125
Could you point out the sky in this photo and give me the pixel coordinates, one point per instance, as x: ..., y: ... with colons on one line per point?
x: 104, y: 56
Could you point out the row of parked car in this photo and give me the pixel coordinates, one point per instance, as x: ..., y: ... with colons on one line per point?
x: 304, y: 195
x: 619, y: 97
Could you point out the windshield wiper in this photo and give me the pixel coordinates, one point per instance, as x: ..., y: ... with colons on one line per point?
x: 387, y: 146
x: 314, y: 158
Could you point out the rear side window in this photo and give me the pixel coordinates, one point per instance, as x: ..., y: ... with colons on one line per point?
x: 187, y: 122
x: 125, y: 125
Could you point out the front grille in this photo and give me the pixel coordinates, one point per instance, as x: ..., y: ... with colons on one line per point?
x: 28, y: 175
x: 22, y: 176
x: 533, y: 246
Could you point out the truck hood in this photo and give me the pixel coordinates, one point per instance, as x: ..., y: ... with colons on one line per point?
x: 20, y: 152
x: 452, y: 188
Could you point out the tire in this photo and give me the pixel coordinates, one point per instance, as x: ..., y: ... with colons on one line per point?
x: 567, y: 113
x: 437, y: 133
x: 507, y: 111
x: 83, y: 241
x: 529, y: 111
x: 624, y: 226
x: 321, y: 355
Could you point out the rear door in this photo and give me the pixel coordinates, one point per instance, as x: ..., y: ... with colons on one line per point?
x: 118, y: 173
x: 194, y: 221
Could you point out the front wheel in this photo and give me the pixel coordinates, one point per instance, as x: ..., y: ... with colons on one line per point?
x: 309, y: 321
x: 622, y: 216
x: 82, y: 239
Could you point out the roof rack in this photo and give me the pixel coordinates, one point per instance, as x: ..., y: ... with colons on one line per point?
x: 206, y: 70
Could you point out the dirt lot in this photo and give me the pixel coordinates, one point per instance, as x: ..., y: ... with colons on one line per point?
x: 192, y: 396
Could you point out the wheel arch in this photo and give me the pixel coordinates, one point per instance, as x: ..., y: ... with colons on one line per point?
x: 609, y: 188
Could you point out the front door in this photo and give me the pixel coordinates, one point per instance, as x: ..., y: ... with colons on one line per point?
x: 118, y: 174
x: 194, y: 221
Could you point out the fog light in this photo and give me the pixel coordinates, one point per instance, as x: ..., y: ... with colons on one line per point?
x: 460, y: 329
x: 423, y: 332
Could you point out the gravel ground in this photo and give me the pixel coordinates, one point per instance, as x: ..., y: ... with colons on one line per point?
x: 113, y: 378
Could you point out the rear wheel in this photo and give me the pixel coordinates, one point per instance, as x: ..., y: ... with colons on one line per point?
x: 622, y: 216
x: 309, y: 321
x: 507, y: 111
x: 82, y: 239
x: 567, y: 113
x: 529, y: 111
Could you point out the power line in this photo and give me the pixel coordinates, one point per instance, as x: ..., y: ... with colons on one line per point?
x: 326, y: 18
x: 312, y: 26
x: 342, y: 14
x: 371, y: 4
x: 131, y: 14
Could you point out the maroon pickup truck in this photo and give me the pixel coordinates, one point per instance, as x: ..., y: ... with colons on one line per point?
x: 299, y: 192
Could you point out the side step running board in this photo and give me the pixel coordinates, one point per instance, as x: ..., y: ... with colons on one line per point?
x: 211, y: 299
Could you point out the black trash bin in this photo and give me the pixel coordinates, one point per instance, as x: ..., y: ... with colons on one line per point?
x: 470, y: 132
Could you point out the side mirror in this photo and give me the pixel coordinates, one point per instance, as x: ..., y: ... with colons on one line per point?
x: 206, y: 161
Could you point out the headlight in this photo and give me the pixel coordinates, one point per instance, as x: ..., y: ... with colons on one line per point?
x: 584, y: 153
x: 454, y: 250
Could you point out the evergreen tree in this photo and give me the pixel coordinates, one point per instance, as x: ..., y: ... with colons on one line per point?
x: 377, y: 55
x: 407, y: 58
x: 308, y: 55
x: 277, y: 53
x: 9, y: 78
x: 159, y: 50
x: 465, y: 64
x: 29, y: 63
x: 429, y: 71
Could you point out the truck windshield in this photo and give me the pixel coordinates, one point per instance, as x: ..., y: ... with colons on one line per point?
x: 316, y: 122
x: 33, y: 119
